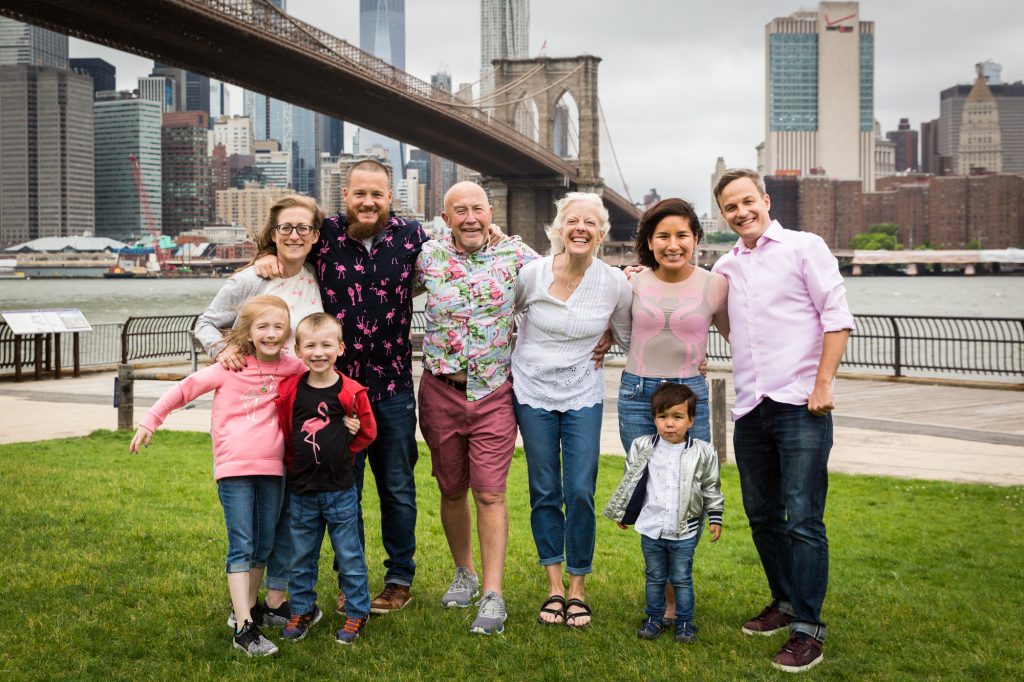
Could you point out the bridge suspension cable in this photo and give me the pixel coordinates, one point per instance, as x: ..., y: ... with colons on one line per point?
x: 530, y: 95
x: 611, y: 145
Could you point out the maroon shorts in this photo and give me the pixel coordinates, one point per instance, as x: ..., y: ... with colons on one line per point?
x: 471, y: 442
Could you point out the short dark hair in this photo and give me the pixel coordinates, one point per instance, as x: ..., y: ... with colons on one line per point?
x: 733, y: 175
x: 654, y: 215
x: 369, y: 165
x: 669, y: 395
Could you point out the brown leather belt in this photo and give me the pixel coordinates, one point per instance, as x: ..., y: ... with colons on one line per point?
x: 457, y: 385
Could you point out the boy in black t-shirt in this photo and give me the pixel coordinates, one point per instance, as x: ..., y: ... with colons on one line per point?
x: 326, y: 419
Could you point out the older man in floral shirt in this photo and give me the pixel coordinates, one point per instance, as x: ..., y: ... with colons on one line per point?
x: 465, y: 396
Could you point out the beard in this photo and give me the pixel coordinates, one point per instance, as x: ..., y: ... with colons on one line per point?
x: 365, y: 230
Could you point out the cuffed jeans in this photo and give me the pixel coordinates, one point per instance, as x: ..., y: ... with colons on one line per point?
x: 635, y: 418
x: 337, y: 512
x: 251, y: 507
x: 669, y: 561
x: 392, y: 459
x: 279, y: 563
x: 561, y: 458
x: 782, y: 455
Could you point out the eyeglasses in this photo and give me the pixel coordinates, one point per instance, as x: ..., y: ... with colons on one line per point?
x: 302, y: 229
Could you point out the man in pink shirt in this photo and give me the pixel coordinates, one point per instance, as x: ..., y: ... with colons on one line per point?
x: 789, y: 324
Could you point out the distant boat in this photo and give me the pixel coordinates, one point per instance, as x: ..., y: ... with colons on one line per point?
x: 117, y: 272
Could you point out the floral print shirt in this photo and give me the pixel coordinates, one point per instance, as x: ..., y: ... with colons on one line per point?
x: 470, y: 310
x: 370, y: 292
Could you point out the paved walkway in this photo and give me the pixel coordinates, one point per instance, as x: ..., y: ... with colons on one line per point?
x: 882, y: 427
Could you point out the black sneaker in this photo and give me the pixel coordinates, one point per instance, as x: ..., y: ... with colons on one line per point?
x: 272, y: 618
x: 252, y: 642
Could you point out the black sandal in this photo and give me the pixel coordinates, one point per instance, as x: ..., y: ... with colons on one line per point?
x: 546, y: 608
x: 579, y: 614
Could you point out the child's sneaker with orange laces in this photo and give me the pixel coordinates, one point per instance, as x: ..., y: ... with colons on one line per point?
x: 351, y: 631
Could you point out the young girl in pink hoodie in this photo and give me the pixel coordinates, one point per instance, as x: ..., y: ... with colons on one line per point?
x: 248, y: 450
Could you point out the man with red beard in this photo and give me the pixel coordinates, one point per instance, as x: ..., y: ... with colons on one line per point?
x: 364, y: 262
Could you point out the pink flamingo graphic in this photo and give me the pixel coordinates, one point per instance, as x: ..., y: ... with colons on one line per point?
x: 382, y: 294
x: 340, y: 270
x: 323, y: 266
x: 311, y: 426
x: 330, y: 296
x: 390, y: 315
x: 359, y: 292
x: 352, y: 295
x: 359, y: 265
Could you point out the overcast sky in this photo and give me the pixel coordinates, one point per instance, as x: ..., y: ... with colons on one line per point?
x: 682, y: 82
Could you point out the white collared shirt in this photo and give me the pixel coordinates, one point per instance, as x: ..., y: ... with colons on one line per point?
x: 659, y: 517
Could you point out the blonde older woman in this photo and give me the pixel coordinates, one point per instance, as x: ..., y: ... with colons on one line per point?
x: 570, y: 298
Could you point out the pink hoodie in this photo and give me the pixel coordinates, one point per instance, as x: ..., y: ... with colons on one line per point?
x: 247, y: 440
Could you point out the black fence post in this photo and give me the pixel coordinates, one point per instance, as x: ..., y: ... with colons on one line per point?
x: 897, y: 350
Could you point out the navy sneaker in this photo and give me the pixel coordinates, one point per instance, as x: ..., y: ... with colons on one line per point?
x: 651, y: 629
x: 686, y: 632
x: 299, y: 625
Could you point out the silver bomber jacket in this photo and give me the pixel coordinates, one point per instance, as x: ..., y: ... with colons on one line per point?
x: 700, y: 489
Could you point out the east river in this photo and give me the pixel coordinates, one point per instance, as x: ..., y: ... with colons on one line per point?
x: 105, y: 300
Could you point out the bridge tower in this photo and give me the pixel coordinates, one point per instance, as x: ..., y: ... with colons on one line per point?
x: 535, y: 88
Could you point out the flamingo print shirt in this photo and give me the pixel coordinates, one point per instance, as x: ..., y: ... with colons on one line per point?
x: 319, y: 441
x: 671, y: 320
x: 247, y: 438
x: 370, y: 292
x: 470, y: 306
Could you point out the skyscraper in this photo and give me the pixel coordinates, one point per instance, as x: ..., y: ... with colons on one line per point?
x: 1009, y: 98
x: 292, y: 126
x: 382, y: 34
x: 981, y: 142
x: 819, y: 113
x: 46, y: 153
x: 185, y: 175
x: 504, y: 34
x: 127, y: 126
x: 103, y: 74
x: 905, y: 140
x: 179, y: 79
x: 26, y: 44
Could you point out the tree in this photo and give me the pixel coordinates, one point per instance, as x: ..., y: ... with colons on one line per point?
x: 882, y: 236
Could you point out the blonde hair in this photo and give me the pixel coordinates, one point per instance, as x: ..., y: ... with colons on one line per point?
x: 554, y: 230
x: 265, y: 239
x: 250, y: 309
x: 314, y: 321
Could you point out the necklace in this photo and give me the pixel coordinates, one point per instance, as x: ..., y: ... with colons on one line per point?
x: 265, y: 381
x: 569, y: 285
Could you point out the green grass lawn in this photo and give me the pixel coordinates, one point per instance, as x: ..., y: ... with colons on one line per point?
x: 112, y: 567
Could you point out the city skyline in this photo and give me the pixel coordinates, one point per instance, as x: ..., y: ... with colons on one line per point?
x: 707, y: 63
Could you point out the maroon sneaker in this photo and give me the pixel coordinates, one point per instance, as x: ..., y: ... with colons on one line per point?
x: 800, y: 653
x: 768, y: 622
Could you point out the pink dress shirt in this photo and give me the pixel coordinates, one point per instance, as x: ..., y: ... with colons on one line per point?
x: 784, y: 294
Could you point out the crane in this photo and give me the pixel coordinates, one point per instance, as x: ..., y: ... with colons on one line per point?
x: 161, y: 254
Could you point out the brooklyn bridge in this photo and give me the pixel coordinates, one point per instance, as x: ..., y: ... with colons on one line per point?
x: 255, y: 45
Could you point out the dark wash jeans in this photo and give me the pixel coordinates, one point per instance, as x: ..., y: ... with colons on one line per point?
x: 393, y: 460
x: 782, y: 455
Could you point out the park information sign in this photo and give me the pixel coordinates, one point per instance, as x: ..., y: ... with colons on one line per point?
x: 54, y: 321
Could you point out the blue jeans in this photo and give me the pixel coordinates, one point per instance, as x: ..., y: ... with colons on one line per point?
x: 782, y: 455
x: 393, y: 460
x: 279, y: 563
x: 251, y: 507
x: 561, y: 458
x: 669, y: 561
x: 337, y: 512
x: 635, y: 418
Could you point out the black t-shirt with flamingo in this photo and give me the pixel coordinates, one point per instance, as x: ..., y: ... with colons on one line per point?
x: 320, y: 439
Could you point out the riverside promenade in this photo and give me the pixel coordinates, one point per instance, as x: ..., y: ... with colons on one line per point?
x: 909, y: 430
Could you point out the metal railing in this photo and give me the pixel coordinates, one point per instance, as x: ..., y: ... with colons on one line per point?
x: 908, y: 344
x: 157, y: 336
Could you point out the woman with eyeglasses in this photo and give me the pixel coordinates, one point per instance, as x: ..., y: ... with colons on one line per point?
x: 290, y: 232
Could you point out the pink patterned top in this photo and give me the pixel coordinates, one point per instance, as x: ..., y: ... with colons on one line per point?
x: 671, y: 322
